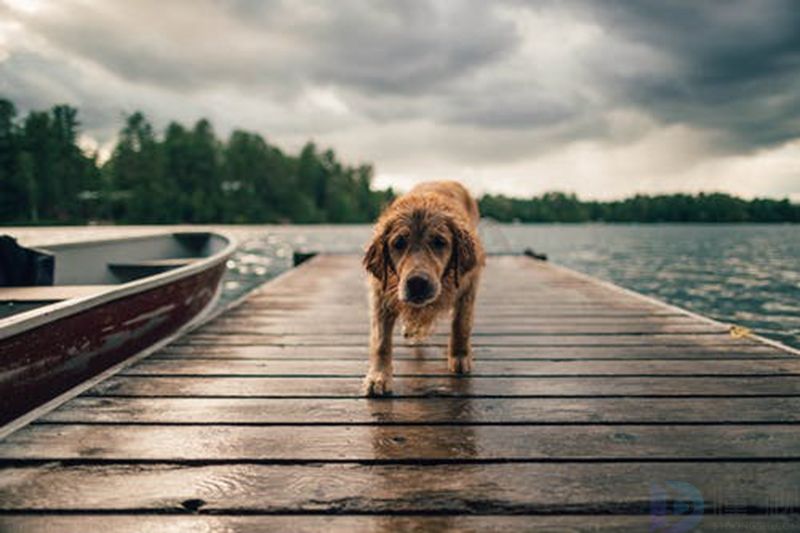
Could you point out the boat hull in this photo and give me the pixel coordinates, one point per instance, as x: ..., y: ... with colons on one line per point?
x: 39, y: 364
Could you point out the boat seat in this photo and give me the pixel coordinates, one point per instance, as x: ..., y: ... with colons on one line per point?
x: 155, y: 263
x: 132, y: 270
x: 50, y: 293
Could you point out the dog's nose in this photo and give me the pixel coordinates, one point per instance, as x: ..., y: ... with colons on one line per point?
x: 418, y: 288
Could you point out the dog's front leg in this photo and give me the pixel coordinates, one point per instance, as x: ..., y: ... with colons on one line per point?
x: 378, y: 381
x: 459, y: 353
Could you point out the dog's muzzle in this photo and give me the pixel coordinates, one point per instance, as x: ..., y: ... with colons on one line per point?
x: 419, y: 289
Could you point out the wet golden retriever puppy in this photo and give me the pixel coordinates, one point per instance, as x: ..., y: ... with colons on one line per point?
x: 424, y: 261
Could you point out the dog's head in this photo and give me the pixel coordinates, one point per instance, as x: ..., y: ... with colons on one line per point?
x: 419, y: 244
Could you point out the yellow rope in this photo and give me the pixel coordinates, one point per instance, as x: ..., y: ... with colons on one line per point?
x: 740, y: 332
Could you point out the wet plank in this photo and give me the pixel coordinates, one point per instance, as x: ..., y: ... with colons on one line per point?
x: 477, y: 386
x: 499, y: 312
x: 531, y: 340
x: 249, y: 410
x: 331, y: 353
x: 519, y: 327
x: 431, y: 367
x: 526, y: 317
x: 494, y: 488
x: 348, y: 524
x: 56, y: 442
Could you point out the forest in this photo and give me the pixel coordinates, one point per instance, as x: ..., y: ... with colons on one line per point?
x: 701, y: 207
x: 183, y: 175
x: 189, y: 175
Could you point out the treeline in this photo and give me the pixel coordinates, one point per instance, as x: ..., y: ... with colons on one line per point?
x: 185, y: 175
x: 703, y: 207
x: 188, y: 175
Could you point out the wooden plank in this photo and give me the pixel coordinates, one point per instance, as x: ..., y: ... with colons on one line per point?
x: 56, y: 442
x: 271, y: 314
x: 567, y: 328
x: 527, y: 488
x: 349, y: 296
x: 482, y: 353
x: 499, y: 340
x: 402, y: 368
x: 426, y: 411
x: 276, y: 311
x: 528, y: 321
x: 451, y: 386
x: 500, y: 309
x: 120, y: 523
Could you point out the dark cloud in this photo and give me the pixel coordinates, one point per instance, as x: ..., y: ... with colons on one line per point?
x: 732, y: 67
x: 382, y: 47
x: 34, y: 82
x: 469, y: 81
x: 409, y: 47
x: 737, y: 63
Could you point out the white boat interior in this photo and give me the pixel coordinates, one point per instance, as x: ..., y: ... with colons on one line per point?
x: 80, y: 269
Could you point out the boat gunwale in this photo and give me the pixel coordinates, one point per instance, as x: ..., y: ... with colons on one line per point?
x: 207, y: 314
x: 34, y: 318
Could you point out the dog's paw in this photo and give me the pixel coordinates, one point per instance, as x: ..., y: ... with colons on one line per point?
x: 460, y: 365
x: 377, y: 383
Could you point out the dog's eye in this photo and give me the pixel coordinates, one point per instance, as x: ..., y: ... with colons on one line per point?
x: 399, y: 243
x: 438, y: 242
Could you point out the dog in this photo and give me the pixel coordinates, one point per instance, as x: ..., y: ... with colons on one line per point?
x: 424, y: 260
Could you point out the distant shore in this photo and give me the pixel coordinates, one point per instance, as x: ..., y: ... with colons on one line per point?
x: 186, y: 174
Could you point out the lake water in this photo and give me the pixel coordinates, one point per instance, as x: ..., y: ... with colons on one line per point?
x: 743, y: 274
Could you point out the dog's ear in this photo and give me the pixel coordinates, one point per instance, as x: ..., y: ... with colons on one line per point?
x: 376, y: 259
x: 464, y: 256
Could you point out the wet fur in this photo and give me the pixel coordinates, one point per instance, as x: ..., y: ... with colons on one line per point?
x: 443, y: 209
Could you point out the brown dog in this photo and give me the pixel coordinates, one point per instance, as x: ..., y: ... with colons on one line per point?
x: 424, y: 259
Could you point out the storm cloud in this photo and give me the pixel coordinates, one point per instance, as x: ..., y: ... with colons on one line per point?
x: 604, y: 98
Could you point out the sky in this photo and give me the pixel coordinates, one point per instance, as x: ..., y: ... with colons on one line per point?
x: 602, y: 98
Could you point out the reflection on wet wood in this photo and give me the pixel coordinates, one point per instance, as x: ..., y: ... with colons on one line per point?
x: 582, y: 399
x: 432, y: 367
x: 573, y: 339
x: 519, y: 328
x: 359, y: 353
x: 348, y: 524
x: 349, y: 387
x: 482, y: 488
x: 470, y: 410
x: 57, y: 442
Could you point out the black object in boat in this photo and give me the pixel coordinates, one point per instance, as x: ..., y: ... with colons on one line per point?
x: 21, y: 266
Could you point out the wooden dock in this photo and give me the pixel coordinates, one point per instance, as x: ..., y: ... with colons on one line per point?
x: 589, y: 407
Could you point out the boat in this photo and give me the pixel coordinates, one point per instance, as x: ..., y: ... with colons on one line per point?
x: 69, y: 312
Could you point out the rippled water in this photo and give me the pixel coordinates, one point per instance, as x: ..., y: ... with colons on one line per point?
x: 743, y: 274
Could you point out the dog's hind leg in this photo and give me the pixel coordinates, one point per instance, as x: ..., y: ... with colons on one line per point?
x: 459, y: 352
x: 378, y: 381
